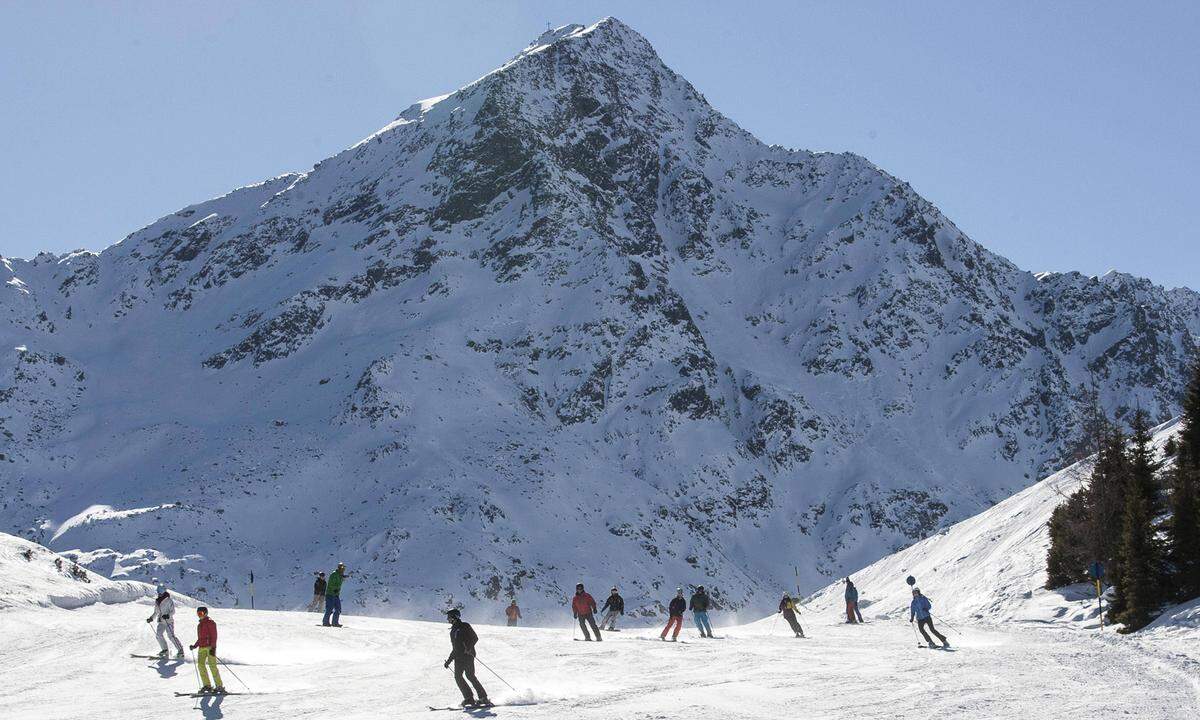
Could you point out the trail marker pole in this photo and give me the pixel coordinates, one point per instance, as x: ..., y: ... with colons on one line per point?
x: 1096, y: 573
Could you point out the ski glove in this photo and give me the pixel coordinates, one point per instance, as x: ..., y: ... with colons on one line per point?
x: 446, y: 664
x: 149, y: 620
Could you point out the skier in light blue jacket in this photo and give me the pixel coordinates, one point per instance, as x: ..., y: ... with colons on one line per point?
x: 919, y: 609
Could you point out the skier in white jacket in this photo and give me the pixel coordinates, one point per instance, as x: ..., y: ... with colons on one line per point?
x: 164, y: 612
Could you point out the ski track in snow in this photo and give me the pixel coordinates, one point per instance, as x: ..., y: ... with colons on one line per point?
x: 58, y: 661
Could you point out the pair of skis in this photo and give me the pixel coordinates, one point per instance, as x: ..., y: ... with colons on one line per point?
x: 463, y: 708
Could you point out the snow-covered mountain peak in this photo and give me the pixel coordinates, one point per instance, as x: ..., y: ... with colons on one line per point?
x: 568, y: 320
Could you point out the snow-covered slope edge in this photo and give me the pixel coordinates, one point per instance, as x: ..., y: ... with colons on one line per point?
x: 37, y: 582
x: 992, y: 567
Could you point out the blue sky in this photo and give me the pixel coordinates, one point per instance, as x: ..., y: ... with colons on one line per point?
x: 1062, y: 135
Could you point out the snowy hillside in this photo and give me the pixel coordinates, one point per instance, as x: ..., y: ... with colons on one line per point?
x: 31, y: 579
x: 991, y: 568
x: 568, y: 322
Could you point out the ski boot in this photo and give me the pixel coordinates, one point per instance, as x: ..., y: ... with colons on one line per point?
x: 219, y: 690
x: 162, y: 654
x: 179, y: 655
x: 207, y: 689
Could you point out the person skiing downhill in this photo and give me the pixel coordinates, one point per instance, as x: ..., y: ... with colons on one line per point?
x: 318, y: 600
x: 852, y: 603
x: 462, y: 654
x: 513, y: 613
x: 333, y: 597
x: 164, y: 612
x: 919, y: 609
x: 206, y: 653
x: 787, y: 606
x: 675, y: 610
x: 613, y: 606
x: 583, y: 609
x: 699, y: 608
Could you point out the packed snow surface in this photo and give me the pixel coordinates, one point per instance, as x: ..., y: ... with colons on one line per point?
x: 63, y: 665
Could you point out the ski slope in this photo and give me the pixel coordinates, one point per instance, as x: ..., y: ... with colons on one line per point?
x: 1018, y: 651
x: 58, y: 661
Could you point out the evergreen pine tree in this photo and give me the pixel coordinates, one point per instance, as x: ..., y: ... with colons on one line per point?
x: 1139, y: 569
x: 1066, y: 560
x: 1135, y: 601
x: 1184, y: 535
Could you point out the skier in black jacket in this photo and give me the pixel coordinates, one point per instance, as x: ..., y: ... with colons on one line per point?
x: 462, y: 654
x: 318, y: 600
x: 676, y: 609
x: 613, y: 606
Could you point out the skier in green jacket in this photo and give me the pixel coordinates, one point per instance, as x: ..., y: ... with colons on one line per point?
x: 333, y: 599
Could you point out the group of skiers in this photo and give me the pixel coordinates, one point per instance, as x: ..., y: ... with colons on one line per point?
x: 206, y: 639
x: 327, y: 594
x: 463, y: 637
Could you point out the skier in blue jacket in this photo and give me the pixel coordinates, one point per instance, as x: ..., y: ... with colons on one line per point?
x: 919, y: 609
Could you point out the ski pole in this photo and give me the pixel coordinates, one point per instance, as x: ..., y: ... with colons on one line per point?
x: 199, y: 683
x: 914, y: 629
x: 952, y: 628
x: 235, y: 675
x: 496, y: 674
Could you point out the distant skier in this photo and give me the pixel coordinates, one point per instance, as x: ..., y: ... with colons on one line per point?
x: 613, y: 606
x: 699, y: 608
x: 462, y: 654
x: 318, y: 600
x: 675, y: 620
x: 333, y: 596
x: 852, y: 613
x: 583, y: 608
x: 206, y: 653
x: 164, y: 612
x: 787, y: 606
x: 513, y: 613
x: 919, y: 609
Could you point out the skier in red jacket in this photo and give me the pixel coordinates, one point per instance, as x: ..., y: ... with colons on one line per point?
x: 583, y: 608
x: 206, y: 656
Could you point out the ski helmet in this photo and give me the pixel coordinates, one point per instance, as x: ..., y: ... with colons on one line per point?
x: 614, y: 588
x: 916, y: 590
x: 700, y: 588
x: 453, y: 613
x: 578, y: 586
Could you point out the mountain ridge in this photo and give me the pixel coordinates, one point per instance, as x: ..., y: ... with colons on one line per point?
x: 567, y: 305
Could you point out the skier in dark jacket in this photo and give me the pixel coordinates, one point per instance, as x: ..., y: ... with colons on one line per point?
x: 583, y: 608
x: 787, y: 606
x: 919, y: 609
x: 676, y: 609
x: 852, y: 603
x: 318, y: 600
x: 462, y: 654
x: 613, y: 606
x: 699, y: 608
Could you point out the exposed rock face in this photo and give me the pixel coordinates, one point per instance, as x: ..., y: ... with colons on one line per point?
x: 566, y: 323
